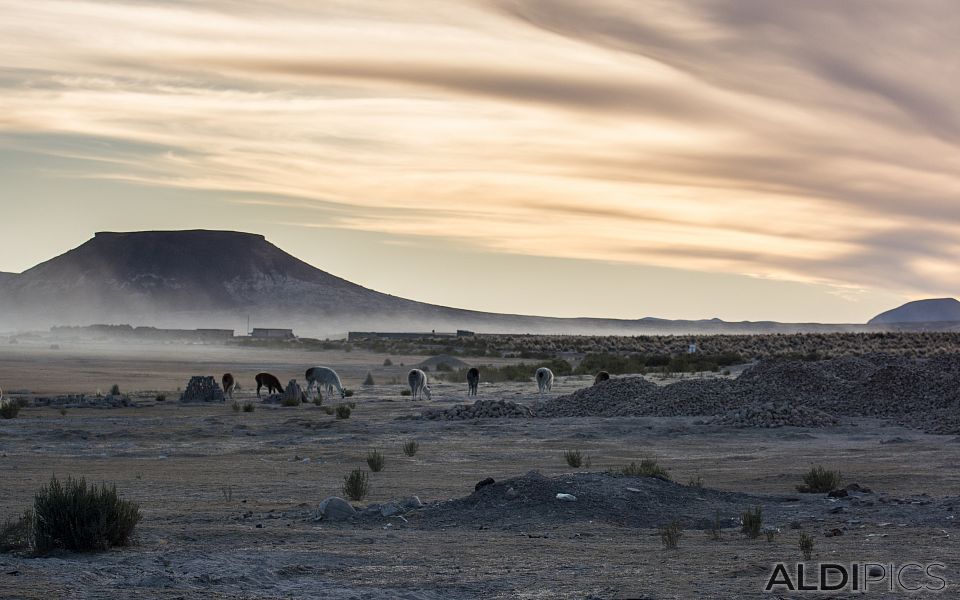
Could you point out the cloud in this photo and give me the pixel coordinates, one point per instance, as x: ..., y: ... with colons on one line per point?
x: 814, y: 141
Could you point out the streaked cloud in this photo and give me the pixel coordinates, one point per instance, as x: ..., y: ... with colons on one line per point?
x: 812, y: 142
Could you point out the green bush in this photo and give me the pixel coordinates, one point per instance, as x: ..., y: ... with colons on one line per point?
x: 820, y: 480
x: 806, y: 546
x: 318, y: 401
x: 387, y: 362
x: 114, y: 390
x: 235, y: 406
x: 81, y: 518
x: 160, y: 398
x: 343, y: 411
x: 648, y: 467
x: 9, y: 410
x: 411, y: 447
x: 288, y: 402
x: 347, y: 393
x: 574, y: 458
x: 671, y: 534
x: 375, y: 460
x: 249, y: 407
x: 715, y: 532
x: 405, y: 392
x: 355, y: 485
x: 329, y: 410
x: 751, y: 522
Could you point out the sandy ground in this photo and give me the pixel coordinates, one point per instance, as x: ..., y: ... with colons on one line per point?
x: 229, y: 501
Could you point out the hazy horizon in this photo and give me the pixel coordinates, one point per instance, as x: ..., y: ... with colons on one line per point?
x: 682, y: 160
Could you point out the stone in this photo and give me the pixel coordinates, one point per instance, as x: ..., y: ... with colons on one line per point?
x: 202, y: 388
x: 566, y: 497
x: 483, y: 483
x: 511, y: 493
x: 411, y: 503
x: 390, y: 509
x: 335, y: 508
x: 838, y: 493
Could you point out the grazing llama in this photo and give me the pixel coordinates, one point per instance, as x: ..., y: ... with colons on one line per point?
x: 326, y: 377
x: 601, y: 377
x: 268, y: 381
x: 229, y: 385
x: 418, y: 384
x: 544, y: 379
x: 473, y: 381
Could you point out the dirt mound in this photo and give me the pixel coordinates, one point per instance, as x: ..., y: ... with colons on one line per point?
x: 642, y: 502
x: 773, y: 414
x: 615, y: 397
x: 481, y: 409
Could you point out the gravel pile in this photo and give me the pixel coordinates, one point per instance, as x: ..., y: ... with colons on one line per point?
x: 919, y: 393
x: 83, y: 401
x: 481, y: 409
x: 776, y: 414
x: 202, y: 388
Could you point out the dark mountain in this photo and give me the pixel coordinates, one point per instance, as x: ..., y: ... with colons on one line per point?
x: 934, y: 310
x: 219, y: 278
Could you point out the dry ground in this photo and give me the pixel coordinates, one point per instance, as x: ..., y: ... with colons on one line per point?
x: 228, y: 497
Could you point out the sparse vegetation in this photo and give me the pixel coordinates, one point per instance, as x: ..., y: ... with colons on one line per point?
x: 16, y: 535
x: 751, y: 522
x: 806, y: 546
x: 227, y: 492
x: 574, y: 458
x: 235, y: 406
x: 9, y: 410
x: 160, y: 398
x: 696, y: 482
x: 249, y: 407
x: 355, y: 485
x: 329, y: 410
x: 343, y: 411
x: 369, y: 379
x: 114, y: 390
x: 63, y: 411
x: 375, y: 460
x: 289, y: 402
x: 819, y: 480
x: 71, y: 515
x: 405, y: 392
x: 670, y: 535
x: 347, y: 393
x: 410, y: 448
x: 318, y: 401
x: 647, y: 467
x: 387, y: 362
x: 715, y: 532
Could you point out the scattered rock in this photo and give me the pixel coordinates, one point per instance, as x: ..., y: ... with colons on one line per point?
x: 389, y: 509
x: 481, y: 409
x: 335, y: 508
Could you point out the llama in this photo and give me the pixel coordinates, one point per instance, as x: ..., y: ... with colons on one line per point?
x: 601, y: 377
x: 473, y: 380
x: 229, y: 385
x: 544, y: 379
x: 418, y: 384
x: 268, y: 381
x: 326, y: 377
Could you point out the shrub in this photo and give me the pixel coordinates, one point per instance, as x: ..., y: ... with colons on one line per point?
x: 160, y: 398
x: 249, y: 407
x: 343, y: 411
x: 355, y: 485
x: 318, y: 401
x: 347, y: 393
x: 573, y: 457
x: 806, y: 546
x: 648, y: 467
x: 235, y: 406
x: 715, y: 532
x: 696, y: 482
x: 288, y: 402
x: 17, y: 535
x: 751, y: 522
x: 671, y: 534
x: 74, y: 516
x: 405, y: 392
x: 820, y: 480
x: 9, y: 410
x: 387, y: 362
x: 114, y: 390
x: 63, y: 411
x: 375, y: 460
x: 411, y: 447
x: 329, y: 410
x: 369, y: 379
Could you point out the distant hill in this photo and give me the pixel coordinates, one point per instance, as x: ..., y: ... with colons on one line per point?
x: 934, y: 310
x: 206, y: 278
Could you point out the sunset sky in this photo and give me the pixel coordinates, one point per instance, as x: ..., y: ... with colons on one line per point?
x: 741, y: 159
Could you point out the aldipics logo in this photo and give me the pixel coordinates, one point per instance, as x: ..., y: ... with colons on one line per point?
x: 866, y: 577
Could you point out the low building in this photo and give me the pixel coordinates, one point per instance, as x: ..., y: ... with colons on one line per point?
x: 355, y: 336
x: 264, y: 333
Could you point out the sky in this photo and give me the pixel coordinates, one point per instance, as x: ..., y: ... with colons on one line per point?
x: 740, y: 159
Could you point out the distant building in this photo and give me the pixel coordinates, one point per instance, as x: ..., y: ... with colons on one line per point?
x: 355, y: 336
x: 264, y: 333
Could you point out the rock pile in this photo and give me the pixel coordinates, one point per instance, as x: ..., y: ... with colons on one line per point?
x: 293, y: 392
x: 83, y: 401
x: 202, y: 388
x: 481, y: 409
x: 776, y: 414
